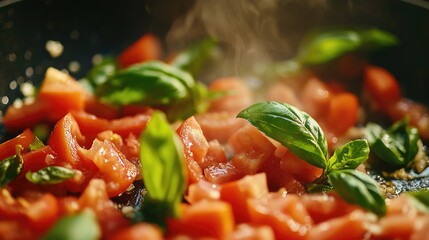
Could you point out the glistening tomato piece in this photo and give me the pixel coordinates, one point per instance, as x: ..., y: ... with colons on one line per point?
x: 25, y: 116
x: 342, y: 113
x: 129, y: 125
x: 38, y: 159
x: 8, y: 148
x: 113, y: 167
x: 146, y: 48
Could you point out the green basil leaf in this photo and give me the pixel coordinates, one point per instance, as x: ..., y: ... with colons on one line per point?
x: 293, y: 128
x: 100, y: 72
x: 397, y: 145
x: 50, y: 175
x: 161, y: 157
x: 151, y: 83
x: 36, y: 144
x: 420, y: 199
x: 327, y: 46
x: 358, y: 188
x: 194, y: 57
x: 79, y: 226
x: 349, y: 156
x: 11, y: 167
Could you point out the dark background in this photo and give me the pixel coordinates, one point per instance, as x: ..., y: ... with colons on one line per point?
x: 106, y: 27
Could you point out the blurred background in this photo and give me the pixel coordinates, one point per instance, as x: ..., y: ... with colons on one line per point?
x: 88, y: 29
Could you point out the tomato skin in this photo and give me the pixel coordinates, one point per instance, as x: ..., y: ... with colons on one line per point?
x: 24, y: 139
x: 147, y: 47
x: 37, y: 159
x: 28, y: 115
x: 381, y: 86
x: 298, y: 168
x: 343, y: 112
x: 129, y: 125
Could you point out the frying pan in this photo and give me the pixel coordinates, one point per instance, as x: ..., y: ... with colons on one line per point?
x: 87, y: 28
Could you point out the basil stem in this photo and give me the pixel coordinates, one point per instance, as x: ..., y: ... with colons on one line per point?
x: 349, y: 156
x: 75, y: 227
x: 11, y: 167
x: 161, y: 157
x: 291, y: 127
x: 50, y: 175
x: 358, y: 188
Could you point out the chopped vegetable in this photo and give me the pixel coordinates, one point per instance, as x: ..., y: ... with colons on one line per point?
x: 50, y: 175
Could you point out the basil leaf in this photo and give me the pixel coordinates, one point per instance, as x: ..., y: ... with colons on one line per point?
x: 291, y: 127
x: 194, y: 57
x: 11, y: 167
x: 50, y: 175
x: 396, y: 146
x: 358, y: 188
x: 161, y: 157
x: 420, y: 199
x: 327, y: 46
x: 150, y: 83
x: 36, y: 144
x: 100, y: 72
x: 75, y: 227
x: 349, y: 156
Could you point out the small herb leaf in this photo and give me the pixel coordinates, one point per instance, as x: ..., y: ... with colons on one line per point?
x: 50, y: 175
x: 11, y: 167
x: 291, y: 127
x: 420, y: 199
x: 101, y: 72
x: 349, y: 156
x: 161, y: 156
x: 36, y: 144
x: 75, y: 227
x: 358, y: 188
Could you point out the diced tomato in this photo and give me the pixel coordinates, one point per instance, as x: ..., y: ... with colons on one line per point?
x: 283, y: 212
x: 298, y: 168
x: 65, y: 139
x: 215, y: 154
x: 129, y: 125
x: 238, y: 192
x: 195, y: 145
x: 281, y: 92
x: 132, y: 110
x: 101, y: 110
x: 8, y: 148
x: 222, y: 173
x: 38, y: 159
x: 43, y: 212
x: 109, y: 217
x: 352, y: 226
x: 203, y: 219
x: 238, y: 95
x: 342, y: 113
x: 131, y: 148
x: 139, y: 231
x: 315, y: 98
x: 219, y: 125
x: 90, y: 124
x: 146, y: 48
x: 251, y: 232
x: 381, y: 86
x: 62, y: 93
x: 203, y: 190
x: 25, y: 116
x: 113, y: 167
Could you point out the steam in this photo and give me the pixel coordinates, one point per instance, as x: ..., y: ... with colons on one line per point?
x: 247, y: 29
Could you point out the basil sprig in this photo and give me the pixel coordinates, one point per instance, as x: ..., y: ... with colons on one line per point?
x: 323, y: 47
x: 291, y: 127
x: 100, y: 73
x: 358, y: 188
x: 155, y: 84
x: 396, y: 146
x: 161, y: 157
x: 195, y: 56
x: 79, y: 226
x: 50, y: 175
x: 11, y: 167
x: 304, y: 137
